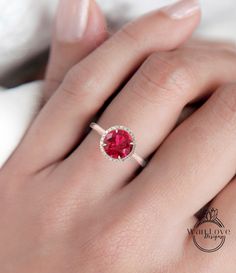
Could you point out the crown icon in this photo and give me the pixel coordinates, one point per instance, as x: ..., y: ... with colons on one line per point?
x: 211, y: 215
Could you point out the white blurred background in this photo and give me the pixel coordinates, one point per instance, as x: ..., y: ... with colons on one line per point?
x: 25, y: 25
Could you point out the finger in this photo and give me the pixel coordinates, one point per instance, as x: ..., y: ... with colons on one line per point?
x: 62, y: 122
x: 199, y: 42
x: 197, y: 160
x: 80, y: 27
x: 150, y: 105
x: 186, y: 113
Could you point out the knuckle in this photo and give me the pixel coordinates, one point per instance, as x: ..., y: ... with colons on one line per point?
x: 226, y: 97
x: 170, y: 74
x: 131, y: 40
x: 79, y: 85
x: 126, y: 34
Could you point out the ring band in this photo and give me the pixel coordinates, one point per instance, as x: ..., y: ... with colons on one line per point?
x: 118, y: 143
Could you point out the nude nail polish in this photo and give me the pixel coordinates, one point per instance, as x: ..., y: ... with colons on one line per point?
x: 182, y: 9
x: 72, y: 19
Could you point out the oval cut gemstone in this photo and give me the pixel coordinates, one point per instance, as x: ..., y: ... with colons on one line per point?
x: 118, y: 144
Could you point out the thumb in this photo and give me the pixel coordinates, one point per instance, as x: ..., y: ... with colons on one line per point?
x: 80, y: 27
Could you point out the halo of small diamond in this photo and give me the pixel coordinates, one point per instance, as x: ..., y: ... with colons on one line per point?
x: 116, y: 128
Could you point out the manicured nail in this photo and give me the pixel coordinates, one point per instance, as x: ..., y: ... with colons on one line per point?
x: 182, y: 9
x: 72, y: 19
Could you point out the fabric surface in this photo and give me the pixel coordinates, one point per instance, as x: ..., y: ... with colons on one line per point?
x: 18, y: 107
x: 21, y: 21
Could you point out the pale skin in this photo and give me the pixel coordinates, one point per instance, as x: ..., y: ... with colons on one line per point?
x: 67, y: 209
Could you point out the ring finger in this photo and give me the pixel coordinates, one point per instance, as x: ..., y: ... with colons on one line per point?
x: 150, y: 105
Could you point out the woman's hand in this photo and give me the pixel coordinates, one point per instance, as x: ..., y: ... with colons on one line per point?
x: 65, y: 208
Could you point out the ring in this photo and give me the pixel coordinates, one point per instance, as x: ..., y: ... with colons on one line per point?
x: 118, y: 143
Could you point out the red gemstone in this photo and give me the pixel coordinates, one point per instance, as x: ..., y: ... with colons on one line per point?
x: 118, y: 144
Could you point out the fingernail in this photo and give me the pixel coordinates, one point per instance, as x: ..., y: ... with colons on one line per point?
x: 182, y: 9
x: 72, y: 19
